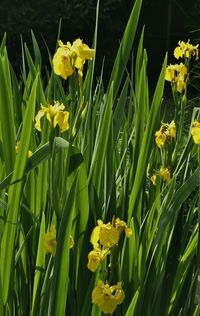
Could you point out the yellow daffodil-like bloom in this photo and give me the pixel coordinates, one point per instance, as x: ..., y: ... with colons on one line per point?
x: 122, y: 226
x: 186, y: 50
x: 55, y: 115
x: 177, y: 74
x: 95, y: 257
x: 195, y: 131
x: 107, y: 297
x: 29, y: 154
x: 165, y: 134
x: 68, y: 57
x: 50, y: 242
x: 106, y: 234
x: 164, y: 173
x: 62, y: 63
x: 160, y: 138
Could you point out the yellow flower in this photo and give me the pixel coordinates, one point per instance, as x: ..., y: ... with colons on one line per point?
x: 95, y: 257
x: 108, y: 234
x: 62, y: 62
x: 69, y: 56
x: 177, y: 74
x: 122, y: 226
x: 55, y: 115
x: 195, y: 131
x: 164, y: 173
x: 186, y: 50
x: 153, y: 179
x: 82, y: 52
x: 170, y: 73
x: 160, y: 138
x: 107, y: 297
x: 50, y: 242
x: 165, y: 134
x: 94, y: 260
x: 172, y: 129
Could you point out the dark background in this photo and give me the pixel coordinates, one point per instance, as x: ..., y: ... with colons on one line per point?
x: 166, y: 21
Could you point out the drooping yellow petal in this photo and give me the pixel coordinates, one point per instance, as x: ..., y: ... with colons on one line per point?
x: 178, y: 52
x: 195, y: 131
x: 82, y: 50
x: 94, y: 260
x: 170, y: 73
x: 62, y: 63
x: 38, y: 117
x: 160, y: 138
x: 94, y: 239
x: 172, y: 129
x: 122, y: 226
x: 62, y: 119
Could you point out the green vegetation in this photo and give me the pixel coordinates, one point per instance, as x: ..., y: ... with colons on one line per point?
x: 99, y: 192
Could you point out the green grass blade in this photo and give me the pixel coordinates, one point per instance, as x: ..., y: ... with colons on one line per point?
x: 125, y: 48
x: 7, y: 113
x: 60, y: 279
x: 146, y: 144
x: 14, y: 197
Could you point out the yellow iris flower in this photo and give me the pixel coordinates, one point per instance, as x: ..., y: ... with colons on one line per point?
x: 95, y: 257
x: 165, y: 134
x: 55, y: 115
x: 68, y: 57
x: 186, y: 50
x: 165, y: 174
x: 177, y: 74
x: 107, y: 297
x: 50, y: 242
x: 62, y: 63
x: 106, y: 234
x: 195, y: 131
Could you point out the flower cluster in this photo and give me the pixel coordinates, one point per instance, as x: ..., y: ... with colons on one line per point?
x: 107, y: 297
x: 195, y: 131
x: 70, y: 57
x: 163, y: 173
x: 165, y: 134
x: 103, y: 238
x: 186, y: 50
x: 55, y: 114
x: 177, y: 75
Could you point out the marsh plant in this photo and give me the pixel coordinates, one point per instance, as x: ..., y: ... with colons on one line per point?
x: 99, y: 191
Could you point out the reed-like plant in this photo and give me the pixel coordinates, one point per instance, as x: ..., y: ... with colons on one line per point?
x: 99, y: 192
